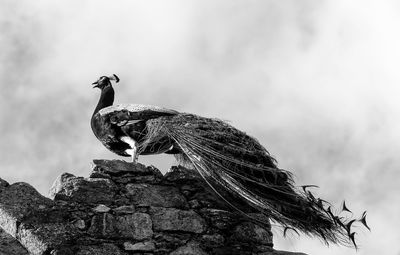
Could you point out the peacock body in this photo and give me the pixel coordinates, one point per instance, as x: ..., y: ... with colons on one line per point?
x: 228, y: 159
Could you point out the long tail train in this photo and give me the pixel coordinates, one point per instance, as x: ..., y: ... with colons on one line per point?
x: 231, y: 161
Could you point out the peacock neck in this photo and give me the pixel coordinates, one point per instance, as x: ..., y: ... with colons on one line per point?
x: 106, y: 99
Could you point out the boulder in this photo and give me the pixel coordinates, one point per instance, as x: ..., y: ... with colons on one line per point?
x: 155, y: 195
x: 171, y: 219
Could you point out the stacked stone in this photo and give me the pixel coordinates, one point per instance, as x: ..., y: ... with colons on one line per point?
x: 125, y: 208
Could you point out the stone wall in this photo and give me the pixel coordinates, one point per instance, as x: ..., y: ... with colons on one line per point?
x: 125, y: 208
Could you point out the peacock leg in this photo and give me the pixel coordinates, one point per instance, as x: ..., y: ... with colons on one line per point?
x: 133, y: 147
x: 134, y: 154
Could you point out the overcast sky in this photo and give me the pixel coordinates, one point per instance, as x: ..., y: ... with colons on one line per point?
x: 317, y: 82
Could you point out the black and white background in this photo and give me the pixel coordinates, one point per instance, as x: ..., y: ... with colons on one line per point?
x: 317, y: 82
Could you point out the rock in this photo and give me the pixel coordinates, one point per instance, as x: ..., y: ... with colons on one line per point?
x: 38, y: 239
x: 266, y: 224
x: 182, y: 175
x: 191, y: 248
x: 3, y: 184
x: 10, y: 246
x: 125, y: 209
x: 215, y: 240
x: 103, y: 225
x: 194, y: 204
x: 248, y: 232
x: 143, y: 209
x: 80, y: 224
x: 220, y: 219
x: 117, y: 167
x: 168, y: 241
x: 17, y: 202
x: 194, y: 187
x: 141, y: 246
x: 165, y: 219
x: 101, y: 209
x: 126, y: 172
x: 120, y: 167
x: 137, y: 226
x: 100, y: 175
x: 155, y: 195
x: 58, y: 184
x: 102, y: 249
x: 63, y: 251
x: 82, y: 190
x: 263, y: 248
x: 136, y: 179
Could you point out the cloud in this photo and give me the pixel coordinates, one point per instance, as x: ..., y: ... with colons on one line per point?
x: 316, y: 83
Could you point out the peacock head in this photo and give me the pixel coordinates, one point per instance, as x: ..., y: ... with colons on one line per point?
x: 105, y: 81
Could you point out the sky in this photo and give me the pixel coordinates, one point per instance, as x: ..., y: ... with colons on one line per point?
x: 316, y: 82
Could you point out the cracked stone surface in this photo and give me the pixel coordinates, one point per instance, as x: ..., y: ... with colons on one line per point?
x: 137, y: 226
x: 9, y: 245
x: 141, y: 246
x: 191, y: 248
x: 19, y: 201
x: 170, y: 219
x: 3, y: 184
x: 83, y: 190
x: 155, y: 195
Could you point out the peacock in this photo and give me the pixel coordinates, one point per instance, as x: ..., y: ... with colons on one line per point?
x: 229, y: 160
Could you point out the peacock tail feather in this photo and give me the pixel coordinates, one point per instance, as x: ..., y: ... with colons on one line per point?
x: 233, y: 163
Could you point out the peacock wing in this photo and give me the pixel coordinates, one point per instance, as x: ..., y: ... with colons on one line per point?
x: 130, y: 120
x: 125, y: 114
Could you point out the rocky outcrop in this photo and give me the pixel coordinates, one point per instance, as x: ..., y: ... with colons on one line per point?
x: 125, y: 208
x: 9, y: 245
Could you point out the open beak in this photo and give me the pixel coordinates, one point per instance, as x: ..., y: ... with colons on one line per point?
x: 96, y: 84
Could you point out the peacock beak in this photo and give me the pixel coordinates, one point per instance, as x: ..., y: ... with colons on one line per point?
x: 96, y: 84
